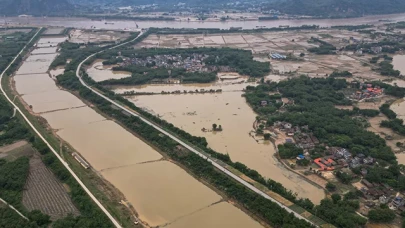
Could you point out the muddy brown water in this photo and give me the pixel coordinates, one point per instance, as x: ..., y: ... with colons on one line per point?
x: 398, y: 62
x: 36, y: 64
x: 399, y: 108
x: 159, y: 190
x: 34, y: 83
x: 200, y: 219
x: 192, y: 112
x: 163, y: 191
x: 76, y: 22
x: 98, y: 72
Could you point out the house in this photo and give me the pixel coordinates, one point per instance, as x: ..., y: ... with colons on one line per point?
x: 383, y: 199
x: 398, y: 202
x: 287, y: 126
x: 300, y: 157
x: 367, y: 184
x: 363, y: 172
x: 289, y: 141
x: 354, y: 164
x: 369, y: 160
x: 263, y: 103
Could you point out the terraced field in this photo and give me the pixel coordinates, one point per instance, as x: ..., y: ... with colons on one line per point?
x: 44, y: 192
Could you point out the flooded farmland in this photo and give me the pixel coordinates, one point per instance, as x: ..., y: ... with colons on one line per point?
x: 160, y: 191
x: 35, y: 83
x: 399, y: 108
x: 182, y: 194
x: 237, y: 84
x: 192, y: 112
x: 398, y: 62
x: 98, y: 72
x: 225, y: 209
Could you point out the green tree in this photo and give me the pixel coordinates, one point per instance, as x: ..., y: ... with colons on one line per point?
x: 381, y: 215
x: 214, y: 127
x: 331, y: 187
x: 336, y: 198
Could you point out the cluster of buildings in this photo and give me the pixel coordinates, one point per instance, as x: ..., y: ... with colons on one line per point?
x: 192, y: 63
x: 341, y: 158
x: 301, y: 135
x: 277, y: 56
x: 367, y: 91
x: 377, y: 194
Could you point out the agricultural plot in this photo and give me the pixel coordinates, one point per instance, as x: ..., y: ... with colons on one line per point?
x: 44, y: 192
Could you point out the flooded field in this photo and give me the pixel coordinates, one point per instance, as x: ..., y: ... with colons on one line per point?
x: 48, y: 50
x: 199, y: 218
x: 107, y: 145
x: 37, y: 64
x: 182, y: 194
x: 54, y: 31
x: 94, y: 36
x: 399, y: 108
x: 34, y: 83
x: 192, y: 112
x: 159, y: 190
x: 226, y: 86
x: 72, y: 118
x: 399, y: 63
x: 52, y: 100
x: 98, y: 72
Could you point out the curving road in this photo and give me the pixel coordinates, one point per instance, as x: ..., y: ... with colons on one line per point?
x: 223, y: 169
x: 116, y: 224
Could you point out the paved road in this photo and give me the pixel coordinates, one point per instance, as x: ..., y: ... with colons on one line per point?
x: 11, y: 206
x: 223, y: 169
x: 50, y: 147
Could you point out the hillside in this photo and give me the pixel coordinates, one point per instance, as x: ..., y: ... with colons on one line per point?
x: 35, y: 7
x: 339, y: 8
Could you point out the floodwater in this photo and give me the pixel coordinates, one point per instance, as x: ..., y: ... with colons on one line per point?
x: 48, y: 50
x: 106, y: 145
x: 399, y: 108
x: 35, y: 83
x: 399, y: 63
x: 57, y: 71
x: 159, y: 190
x: 200, y: 218
x: 235, y: 84
x: 192, y: 112
x: 72, y: 118
x: 76, y: 22
x: 98, y: 72
x: 52, y: 100
x: 37, y: 64
x: 164, y: 192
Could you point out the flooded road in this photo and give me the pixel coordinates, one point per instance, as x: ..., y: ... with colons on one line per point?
x: 75, y: 22
x: 398, y: 62
x: 98, y: 72
x: 160, y: 191
x: 193, y: 112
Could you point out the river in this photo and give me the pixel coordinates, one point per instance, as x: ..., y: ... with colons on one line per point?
x: 76, y: 22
